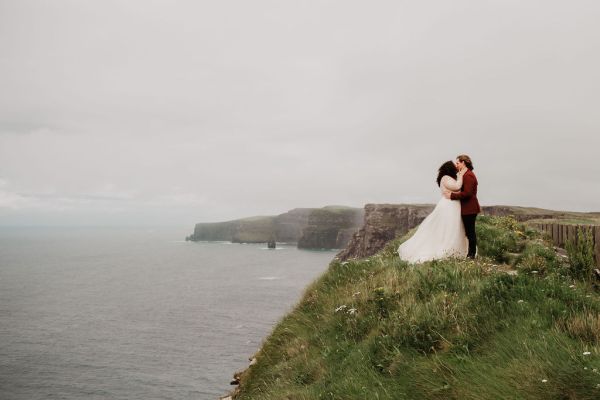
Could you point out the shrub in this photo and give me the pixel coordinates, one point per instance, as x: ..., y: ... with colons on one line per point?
x: 581, y: 254
x: 583, y: 326
x: 382, y: 302
x: 537, y: 257
x: 497, y: 237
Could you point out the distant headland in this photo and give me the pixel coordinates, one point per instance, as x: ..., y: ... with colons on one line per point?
x: 359, y: 231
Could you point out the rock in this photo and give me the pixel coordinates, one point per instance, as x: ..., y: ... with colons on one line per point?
x: 382, y: 223
x: 271, y: 244
x: 330, y: 228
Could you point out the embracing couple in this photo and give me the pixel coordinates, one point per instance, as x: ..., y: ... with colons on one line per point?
x: 449, y: 231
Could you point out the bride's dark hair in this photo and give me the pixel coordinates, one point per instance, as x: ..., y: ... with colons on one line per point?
x: 447, y: 168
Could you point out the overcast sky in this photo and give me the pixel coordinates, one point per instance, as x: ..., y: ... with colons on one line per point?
x: 175, y: 112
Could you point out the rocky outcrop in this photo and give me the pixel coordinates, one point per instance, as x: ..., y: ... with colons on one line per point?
x: 382, y: 223
x: 330, y: 227
x: 312, y: 228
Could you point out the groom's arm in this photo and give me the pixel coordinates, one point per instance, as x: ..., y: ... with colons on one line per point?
x: 468, y: 189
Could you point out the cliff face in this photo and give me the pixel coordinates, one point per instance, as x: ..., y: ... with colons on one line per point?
x: 288, y: 227
x: 334, y: 227
x: 312, y: 228
x: 257, y: 230
x: 382, y: 223
x: 330, y: 228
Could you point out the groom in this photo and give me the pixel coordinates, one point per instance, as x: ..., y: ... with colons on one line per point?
x: 469, y: 206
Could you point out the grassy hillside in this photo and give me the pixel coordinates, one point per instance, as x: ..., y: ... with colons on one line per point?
x: 512, y: 325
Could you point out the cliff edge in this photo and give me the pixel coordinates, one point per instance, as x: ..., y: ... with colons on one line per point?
x: 515, y: 323
x: 330, y: 227
x: 385, y: 222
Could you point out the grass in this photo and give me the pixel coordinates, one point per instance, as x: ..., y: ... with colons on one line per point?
x: 581, y: 254
x: 511, y: 325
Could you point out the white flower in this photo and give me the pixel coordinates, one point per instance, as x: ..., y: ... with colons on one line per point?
x: 356, y: 294
x: 340, y: 308
x: 586, y: 353
x: 520, y: 301
x: 352, y: 311
x: 571, y: 286
x: 544, y: 380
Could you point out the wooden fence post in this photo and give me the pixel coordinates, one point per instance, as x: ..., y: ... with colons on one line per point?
x: 563, y: 234
x: 597, y: 244
x: 572, y: 234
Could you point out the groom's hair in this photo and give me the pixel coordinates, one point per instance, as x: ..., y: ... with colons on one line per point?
x: 467, y: 160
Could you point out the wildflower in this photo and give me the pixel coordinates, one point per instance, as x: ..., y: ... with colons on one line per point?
x: 595, y: 370
x: 571, y: 286
x: 356, y: 294
x: 534, y: 272
x: 352, y: 311
x: 544, y: 380
x: 520, y: 301
x: 340, y: 308
x: 586, y: 353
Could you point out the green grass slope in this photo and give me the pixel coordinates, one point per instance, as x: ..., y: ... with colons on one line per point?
x: 511, y: 325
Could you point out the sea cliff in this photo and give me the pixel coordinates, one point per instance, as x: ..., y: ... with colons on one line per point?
x: 515, y: 323
x: 330, y: 227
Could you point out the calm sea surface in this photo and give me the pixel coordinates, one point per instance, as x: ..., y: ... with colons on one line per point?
x: 124, y: 313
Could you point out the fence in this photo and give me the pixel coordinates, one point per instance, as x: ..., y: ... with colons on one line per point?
x: 561, y: 234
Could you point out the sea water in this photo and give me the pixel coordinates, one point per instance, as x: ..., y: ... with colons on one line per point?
x: 137, y: 313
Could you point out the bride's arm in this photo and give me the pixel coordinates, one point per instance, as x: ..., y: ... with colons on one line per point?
x: 451, y: 184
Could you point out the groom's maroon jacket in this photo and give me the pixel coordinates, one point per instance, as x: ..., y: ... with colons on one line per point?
x: 468, y: 195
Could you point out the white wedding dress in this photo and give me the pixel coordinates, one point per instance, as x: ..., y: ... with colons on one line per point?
x: 442, y: 233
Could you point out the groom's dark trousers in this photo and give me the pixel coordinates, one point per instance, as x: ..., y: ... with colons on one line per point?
x: 469, y: 208
x: 469, y: 223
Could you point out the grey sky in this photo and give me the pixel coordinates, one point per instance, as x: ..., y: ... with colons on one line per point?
x: 174, y: 112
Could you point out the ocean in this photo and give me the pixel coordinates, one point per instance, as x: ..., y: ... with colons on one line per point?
x: 137, y: 313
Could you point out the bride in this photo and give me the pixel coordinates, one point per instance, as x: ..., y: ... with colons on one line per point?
x: 442, y: 233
